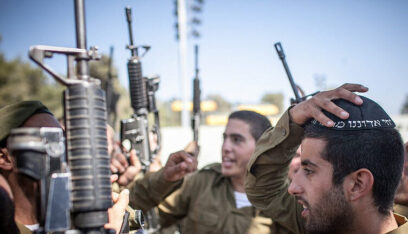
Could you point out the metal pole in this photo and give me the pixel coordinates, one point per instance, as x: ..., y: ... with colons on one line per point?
x: 182, y: 19
x: 82, y: 61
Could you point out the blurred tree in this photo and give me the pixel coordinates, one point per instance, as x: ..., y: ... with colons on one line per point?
x: 404, y: 109
x: 273, y: 98
x: 222, y: 104
x: 21, y: 81
x: 168, y: 117
x: 100, y: 69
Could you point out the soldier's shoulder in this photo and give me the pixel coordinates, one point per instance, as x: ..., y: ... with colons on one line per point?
x: 213, y: 167
x: 208, y: 171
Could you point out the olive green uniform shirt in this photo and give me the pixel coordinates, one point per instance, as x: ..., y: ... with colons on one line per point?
x: 23, y: 229
x: 205, y: 202
x: 266, y: 182
x: 401, y: 209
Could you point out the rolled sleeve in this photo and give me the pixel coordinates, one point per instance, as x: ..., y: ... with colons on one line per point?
x: 266, y: 182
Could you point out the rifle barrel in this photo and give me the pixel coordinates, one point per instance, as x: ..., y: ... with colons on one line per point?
x: 281, y: 54
x: 82, y: 61
x: 133, y: 50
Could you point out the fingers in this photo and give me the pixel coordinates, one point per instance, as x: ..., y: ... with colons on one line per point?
x: 355, y: 87
x: 121, y: 158
x: 313, y: 107
x: 134, y: 160
x: 123, y: 200
x: 113, y: 178
x: 116, y: 166
x: 192, y: 148
x: 178, y: 157
x: 115, y: 197
x: 178, y: 165
x: 117, y: 211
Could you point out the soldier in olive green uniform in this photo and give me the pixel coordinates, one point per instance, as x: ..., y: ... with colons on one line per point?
x: 351, y: 163
x: 23, y: 189
x: 212, y: 200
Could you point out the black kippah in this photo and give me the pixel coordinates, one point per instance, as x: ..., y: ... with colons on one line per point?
x: 367, y: 116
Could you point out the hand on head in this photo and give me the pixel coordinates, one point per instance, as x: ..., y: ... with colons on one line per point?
x: 312, y: 108
x: 178, y: 165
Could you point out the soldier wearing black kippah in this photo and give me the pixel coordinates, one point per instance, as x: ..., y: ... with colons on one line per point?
x: 351, y: 164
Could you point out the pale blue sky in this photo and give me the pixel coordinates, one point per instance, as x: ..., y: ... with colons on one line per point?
x: 363, y: 41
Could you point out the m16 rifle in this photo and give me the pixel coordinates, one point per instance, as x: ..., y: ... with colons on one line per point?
x: 196, y: 117
x: 85, y: 124
x: 134, y: 132
x: 295, y: 87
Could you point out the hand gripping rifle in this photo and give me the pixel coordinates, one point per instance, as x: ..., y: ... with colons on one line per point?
x: 134, y: 132
x: 85, y: 122
x: 295, y: 87
x: 195, y: 120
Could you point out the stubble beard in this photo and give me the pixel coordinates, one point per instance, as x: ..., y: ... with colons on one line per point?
x: 332, y: 215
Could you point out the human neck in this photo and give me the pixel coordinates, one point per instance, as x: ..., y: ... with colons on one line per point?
x: 370, y: 221
x: 238, y: 183
x: 25, y: 206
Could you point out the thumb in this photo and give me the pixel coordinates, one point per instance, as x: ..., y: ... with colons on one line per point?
x: 123, y: 199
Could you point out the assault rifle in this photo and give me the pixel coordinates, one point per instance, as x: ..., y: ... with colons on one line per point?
x: 295, y: 87
x: 134, y: 132
x: 86, y: 144
x: 195, y: 120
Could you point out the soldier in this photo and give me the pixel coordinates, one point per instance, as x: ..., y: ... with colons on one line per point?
x: 351, y: 163
x: 23, y: 189
x: 213, y: 199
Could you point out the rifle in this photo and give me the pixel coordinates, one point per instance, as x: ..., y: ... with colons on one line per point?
x: 295, y: 88
x: 112, y: 97
x: 195, y: 120
x: 86, y: 144
x: 134, y: 132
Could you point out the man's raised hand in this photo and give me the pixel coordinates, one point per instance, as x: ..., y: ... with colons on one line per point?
x: 312, y: 108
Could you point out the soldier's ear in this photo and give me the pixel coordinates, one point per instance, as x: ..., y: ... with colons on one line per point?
x: 358, y: 184
x: 6, y: 163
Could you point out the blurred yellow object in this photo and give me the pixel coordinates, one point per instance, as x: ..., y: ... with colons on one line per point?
x: 264, y: 109
x: 220, y: 119
x: 204, y: 105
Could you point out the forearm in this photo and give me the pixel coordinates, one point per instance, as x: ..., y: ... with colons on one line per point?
x: 150, y: 190
x: 266, y: 182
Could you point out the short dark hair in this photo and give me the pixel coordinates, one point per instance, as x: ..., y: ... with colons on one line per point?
x: 378, y: 150
x: 258, y: 123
